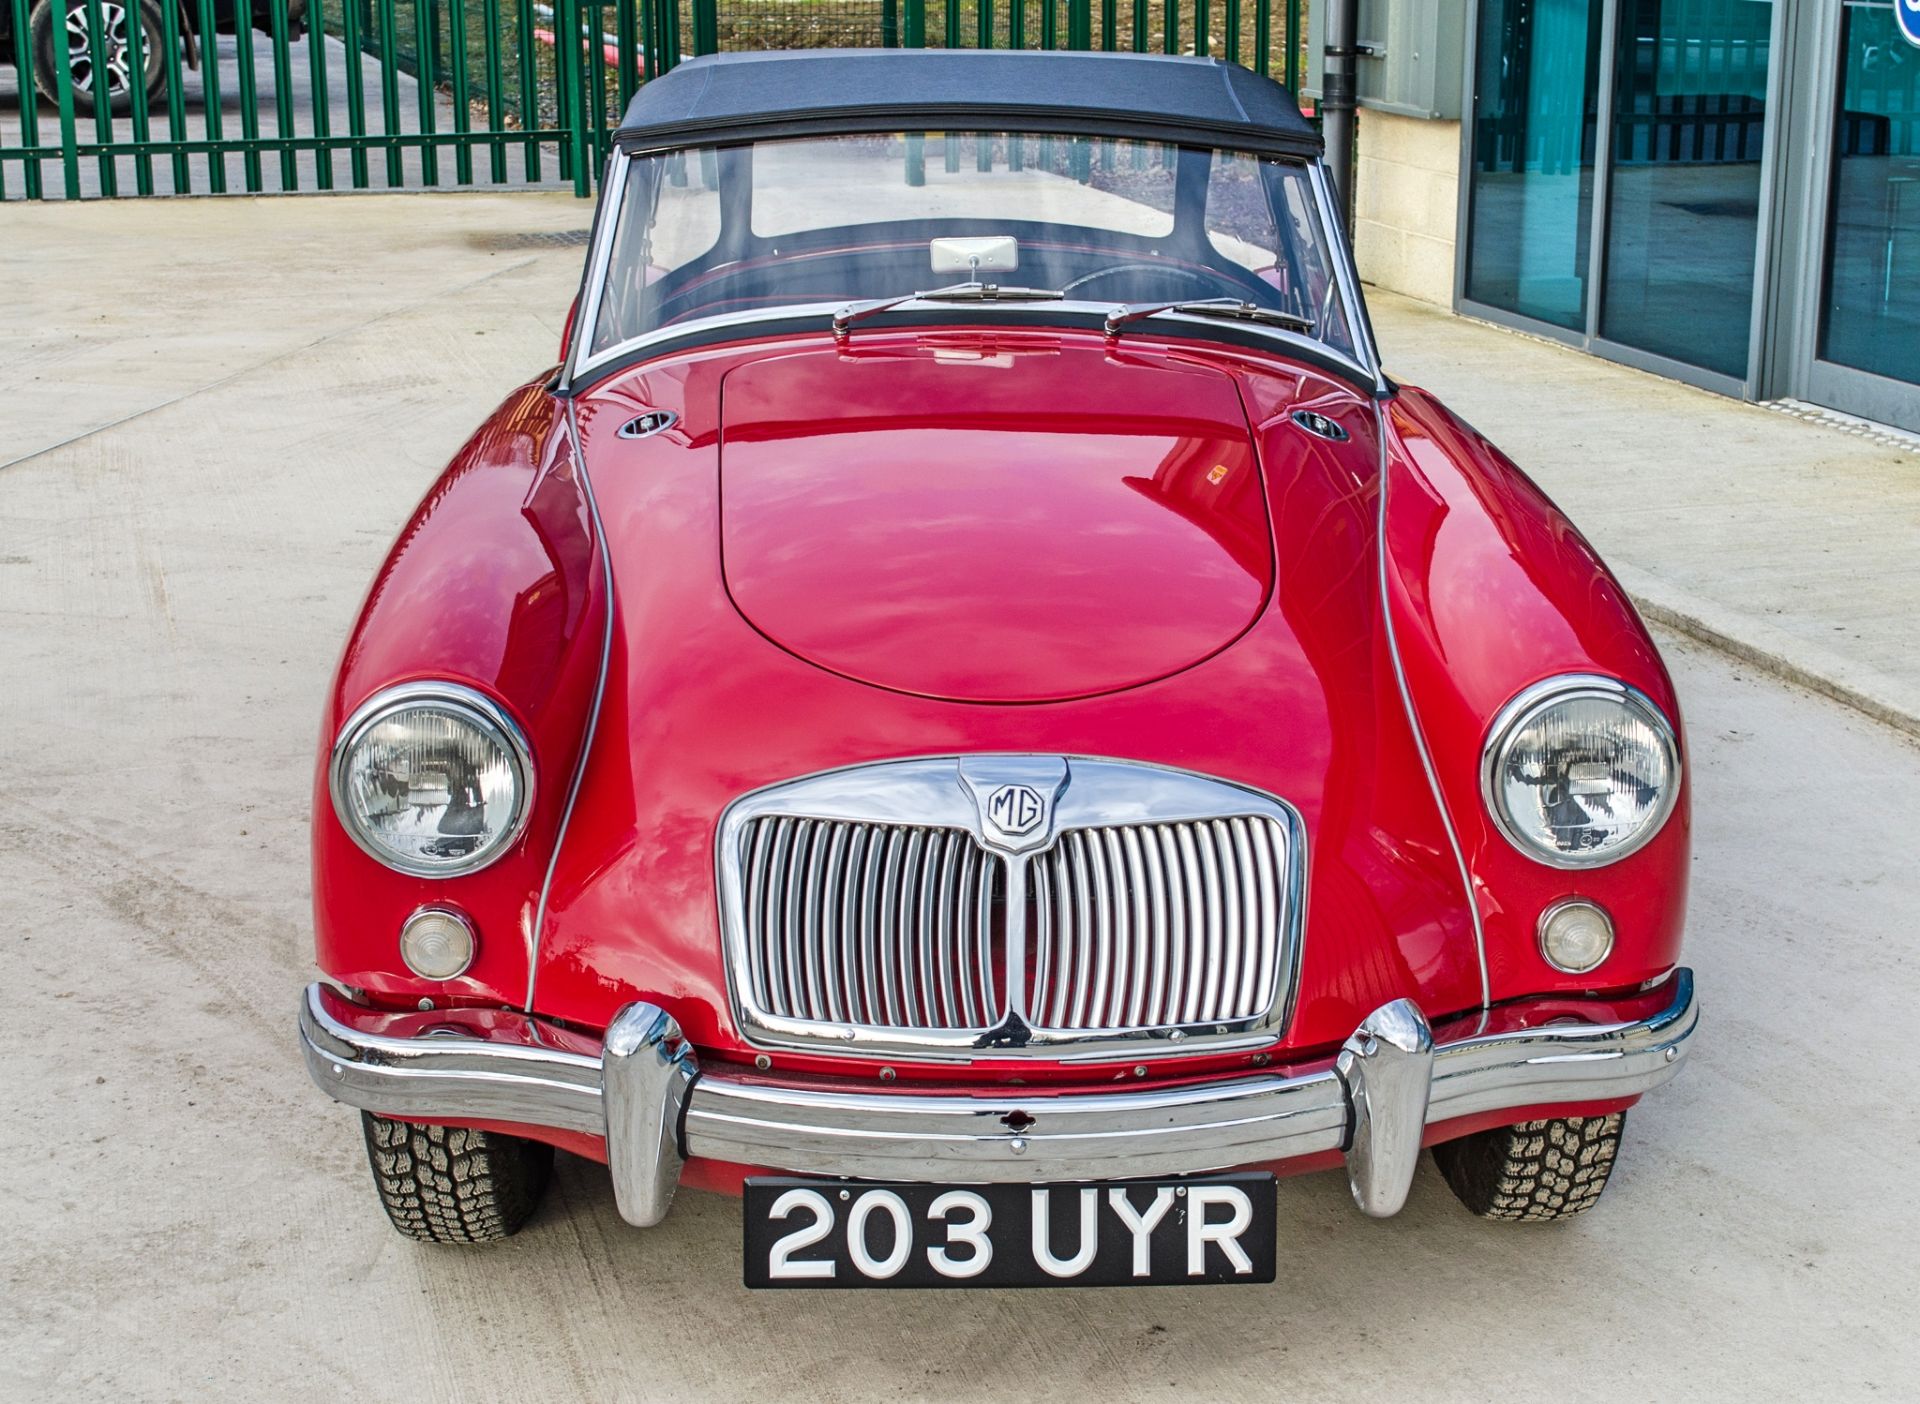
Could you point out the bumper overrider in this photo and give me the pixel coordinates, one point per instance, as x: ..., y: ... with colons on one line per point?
x: 646, y: 1093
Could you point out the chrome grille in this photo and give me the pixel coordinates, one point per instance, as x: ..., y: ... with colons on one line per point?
x: 1160, y: 925
x: 1005, y: 906
x: 883, y: 925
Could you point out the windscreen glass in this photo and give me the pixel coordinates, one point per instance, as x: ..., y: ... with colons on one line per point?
x: 1087, y: 220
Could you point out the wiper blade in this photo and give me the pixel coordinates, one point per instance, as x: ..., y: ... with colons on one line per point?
x: 844, y: 319
x: 1232, y: 308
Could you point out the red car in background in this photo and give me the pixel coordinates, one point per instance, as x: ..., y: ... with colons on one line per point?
x: 970, y: 708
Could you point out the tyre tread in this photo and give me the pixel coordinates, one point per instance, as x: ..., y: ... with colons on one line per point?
x: 1535, y: 1171
x: 454, y: 1184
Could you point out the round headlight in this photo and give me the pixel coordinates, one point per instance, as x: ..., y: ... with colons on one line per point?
x: 1580, y: 771
x: 432, y: 779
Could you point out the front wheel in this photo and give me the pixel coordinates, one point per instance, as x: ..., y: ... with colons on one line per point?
x: 1537, y: 1171
x: 450, y: 1184
x: 74, y: 46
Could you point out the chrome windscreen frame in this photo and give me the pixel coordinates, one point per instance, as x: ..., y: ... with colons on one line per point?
x: 952, y: 792
x: 582, y: 361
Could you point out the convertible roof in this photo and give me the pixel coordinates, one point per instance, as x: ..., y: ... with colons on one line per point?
x: 724, y: 98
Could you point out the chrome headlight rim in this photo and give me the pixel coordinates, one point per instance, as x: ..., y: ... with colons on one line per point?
x: 472, y: 706
x: 1513, y: 718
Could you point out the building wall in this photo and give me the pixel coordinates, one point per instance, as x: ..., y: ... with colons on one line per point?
x: 1406, y: 204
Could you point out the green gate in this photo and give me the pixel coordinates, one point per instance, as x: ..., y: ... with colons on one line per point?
x: 217, y: 96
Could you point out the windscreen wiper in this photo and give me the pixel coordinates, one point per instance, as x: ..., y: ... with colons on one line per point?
x: 844, y: 319
x: 1232, y: 308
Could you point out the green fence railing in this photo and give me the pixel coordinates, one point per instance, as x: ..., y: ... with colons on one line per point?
x: 123, y: 97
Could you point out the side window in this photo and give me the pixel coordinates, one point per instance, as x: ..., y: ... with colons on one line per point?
x: 669, y: 216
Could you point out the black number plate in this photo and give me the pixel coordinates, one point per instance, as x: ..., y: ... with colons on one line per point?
x: 840, y: 1233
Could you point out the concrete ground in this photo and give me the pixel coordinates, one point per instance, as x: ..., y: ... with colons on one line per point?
x: 195, y: 486
x: 1788, y: 540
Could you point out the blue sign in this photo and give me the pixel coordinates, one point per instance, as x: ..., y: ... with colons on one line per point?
x: 1908, y: 13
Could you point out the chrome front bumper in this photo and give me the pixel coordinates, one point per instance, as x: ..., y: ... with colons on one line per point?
x: 647, y: 1095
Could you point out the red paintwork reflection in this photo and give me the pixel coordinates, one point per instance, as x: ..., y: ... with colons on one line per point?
x: 702, y: 708
x: 496, y: 582
x: 1494, y: 590
x: 972, y: 525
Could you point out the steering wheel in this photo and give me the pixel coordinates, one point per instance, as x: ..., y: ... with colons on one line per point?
x: 1113, y: 270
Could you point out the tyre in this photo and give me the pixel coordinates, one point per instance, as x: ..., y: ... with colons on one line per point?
x: 76, y: 47
x: 1536, y: 1171
x: 449, y: 1184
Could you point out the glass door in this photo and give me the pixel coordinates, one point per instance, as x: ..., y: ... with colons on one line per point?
x: 1616, y: 173
x: 1683, y: 218
x: 1864, y: 352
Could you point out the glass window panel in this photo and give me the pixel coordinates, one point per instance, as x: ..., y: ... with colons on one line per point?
x: 1536, y: 99
x: 1870, y: 315
x: 1689, y: 122
x: 826, y: 220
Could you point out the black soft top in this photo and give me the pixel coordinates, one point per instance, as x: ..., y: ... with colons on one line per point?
x: 725, y: 98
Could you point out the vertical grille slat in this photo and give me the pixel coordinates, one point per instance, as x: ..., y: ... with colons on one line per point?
x: 758, y: 860
x: 1233, y: 933
x: 1159, y: 922
x: 970, y: 947
x: 777, y: 872
x: 810, y: 937
x: 990, y: 1003
x: 1174, y: 1010
x: 1093, y: 853
x: 1252, y: 929
x: 1075, y: 844
x: 945, y: 906
x: 870, y: 926
x: 908, y: 928
x: 1216, y: 934
x: 1141, y: 926
x: 835, y: 890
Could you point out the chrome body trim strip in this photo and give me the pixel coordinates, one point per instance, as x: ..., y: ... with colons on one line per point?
x: 593, y: 712
x: 1390, y: 1082
x: 1413, y: 716
x: 1346, y: 274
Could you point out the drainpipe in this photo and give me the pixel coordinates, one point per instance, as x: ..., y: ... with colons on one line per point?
x: 1337, y: 100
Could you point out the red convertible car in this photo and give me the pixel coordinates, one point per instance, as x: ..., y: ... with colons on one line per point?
x: 969, y: 709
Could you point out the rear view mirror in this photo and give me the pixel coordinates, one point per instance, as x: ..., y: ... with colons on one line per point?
x: 992, y: 253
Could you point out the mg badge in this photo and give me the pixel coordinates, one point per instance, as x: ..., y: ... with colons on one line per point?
x: 1015, y: 809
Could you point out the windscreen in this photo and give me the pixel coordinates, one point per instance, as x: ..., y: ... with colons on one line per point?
x: 758, y: 228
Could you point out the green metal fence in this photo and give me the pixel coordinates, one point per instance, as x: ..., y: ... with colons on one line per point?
x: 217, y: 96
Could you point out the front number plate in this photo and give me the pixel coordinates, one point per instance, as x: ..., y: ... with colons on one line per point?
x: 839, y: 1233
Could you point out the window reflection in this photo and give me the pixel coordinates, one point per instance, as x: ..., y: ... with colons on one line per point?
x: 1689, y: 121
x: 1536, y: 98
x: 1870, y: 315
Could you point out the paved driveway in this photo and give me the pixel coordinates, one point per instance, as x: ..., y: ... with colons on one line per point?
x: 194, y: 489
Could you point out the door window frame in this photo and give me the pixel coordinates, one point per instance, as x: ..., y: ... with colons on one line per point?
x: 1803, y: 220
